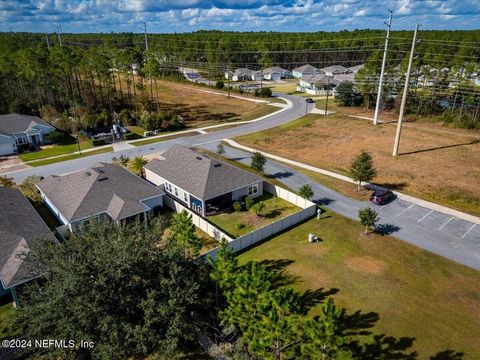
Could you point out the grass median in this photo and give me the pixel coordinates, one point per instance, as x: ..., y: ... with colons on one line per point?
x: 70, y: 157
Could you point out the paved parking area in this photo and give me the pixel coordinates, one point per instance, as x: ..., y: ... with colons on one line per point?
x: 448, y: 236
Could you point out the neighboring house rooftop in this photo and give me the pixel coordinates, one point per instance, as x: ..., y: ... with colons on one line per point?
x: 198, y: 174
x: 334, y: 69
x: 307, y: 68
x: 16, y: 123
x: 103, y: 188
x: 20, y: 225
x: 355, y: 69
x: 274, y: 69
x: 320, y: 79
x: 345, y: 77
x: 243, y: 71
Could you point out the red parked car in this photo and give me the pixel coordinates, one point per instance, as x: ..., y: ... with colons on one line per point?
x: 381, y: 197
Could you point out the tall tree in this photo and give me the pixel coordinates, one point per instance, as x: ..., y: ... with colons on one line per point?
x: 184, y: 233
x: 362, y: 169
x: 117, y: 286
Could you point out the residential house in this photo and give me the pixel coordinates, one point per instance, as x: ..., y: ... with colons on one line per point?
x: 355, y: 69
x: 305, y: 70
x: 17, y: 130
x: 105, y: 191
x: 334, y: 70
x: 20, y: 225
x: 317, y: 84
x: 205, y: 185
x: 276, y: 73
x: 244, y: 74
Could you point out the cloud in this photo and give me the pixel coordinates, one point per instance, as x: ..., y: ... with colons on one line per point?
x: 249, y: 15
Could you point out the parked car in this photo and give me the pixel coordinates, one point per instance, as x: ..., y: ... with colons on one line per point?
x: 309, y: 100
x: 381, y: 197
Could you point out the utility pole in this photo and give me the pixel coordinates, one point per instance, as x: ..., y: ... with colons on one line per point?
x: 59, y: 34
x: 48, y: 42
x: 328, y: 88
x: 382, y: 72
x: 405, y: 93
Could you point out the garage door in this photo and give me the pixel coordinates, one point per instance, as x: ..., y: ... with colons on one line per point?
x: 6, y: 149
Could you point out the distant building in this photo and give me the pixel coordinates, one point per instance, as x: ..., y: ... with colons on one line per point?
x: 305, y: 70
x: 276, y: 73
x: 317, y: 84
x: 17, y: 130
x: 20, y: 226
x: 105, y: 191
x: 244, y: 74
x: 354, y: 69
x: 334, y: 70
x: 205, y: 185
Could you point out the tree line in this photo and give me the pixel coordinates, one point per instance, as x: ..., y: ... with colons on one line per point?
x: 92, y: 77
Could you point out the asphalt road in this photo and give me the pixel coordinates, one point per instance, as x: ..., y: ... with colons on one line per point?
x: 297, y: 110
x: 450, y: 237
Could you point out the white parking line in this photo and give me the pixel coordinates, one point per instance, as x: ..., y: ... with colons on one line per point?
x: 468, y: 231
x: 441, y: 227
x: 425, y: 216
x: 407, y: 209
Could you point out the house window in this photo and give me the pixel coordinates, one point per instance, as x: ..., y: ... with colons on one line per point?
x: 168, y: 187
x: 253, y: 189
x: 176, y: 191
x: 185, y: 197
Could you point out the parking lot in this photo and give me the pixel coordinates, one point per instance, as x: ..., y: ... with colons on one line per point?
x: 448, y: 236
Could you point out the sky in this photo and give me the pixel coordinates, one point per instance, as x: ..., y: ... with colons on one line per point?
x: 166, y: 16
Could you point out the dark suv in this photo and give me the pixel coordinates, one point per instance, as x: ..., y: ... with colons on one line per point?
x: 381, y: 197
x: 309, y: 100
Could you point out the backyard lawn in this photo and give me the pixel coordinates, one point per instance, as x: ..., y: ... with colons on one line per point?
x: 237, y: 223
x: 7, y: 319
x: 415, y: 293
x: 437, y: 164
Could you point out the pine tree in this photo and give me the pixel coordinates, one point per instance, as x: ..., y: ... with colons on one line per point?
x: 184, y: 233
x: 368, y: 218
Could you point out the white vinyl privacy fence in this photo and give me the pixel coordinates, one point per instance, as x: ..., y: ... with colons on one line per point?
x: 308, y: 210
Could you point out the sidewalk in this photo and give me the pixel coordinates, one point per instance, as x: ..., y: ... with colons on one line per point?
x: 409, y: 198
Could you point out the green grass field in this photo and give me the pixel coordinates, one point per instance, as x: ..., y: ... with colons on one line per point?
x: 55, y: 150
x: 165, y: 138
x: 415, y: 293
x: 275, y: 209
x: 7, y: 319
x: 70, y: 157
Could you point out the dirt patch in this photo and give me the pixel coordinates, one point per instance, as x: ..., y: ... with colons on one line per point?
x: 365, y: 264
x: 438, y: 164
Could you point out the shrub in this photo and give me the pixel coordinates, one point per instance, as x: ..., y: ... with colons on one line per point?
x: 131, y: 136
x: 98, y: 142
x: 239, y: 226
x: 55, y: 137
x: 248, y: 202
x: 219, y: 84
x: 237, y: 206
x: 263, y: 92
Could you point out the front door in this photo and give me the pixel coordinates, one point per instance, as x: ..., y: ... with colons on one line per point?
x: 34, y: 139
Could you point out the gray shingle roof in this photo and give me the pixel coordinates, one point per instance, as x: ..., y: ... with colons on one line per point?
x: 15, y: 123
x: 335, y: 69
x: 102, y: 188
x: 320, y: 79
x: 274, y: 69
x: 20, y: 225
x: 198, y: 174
x: 307, y: 69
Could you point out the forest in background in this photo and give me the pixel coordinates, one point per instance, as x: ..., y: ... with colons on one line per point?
x: 87, y: 78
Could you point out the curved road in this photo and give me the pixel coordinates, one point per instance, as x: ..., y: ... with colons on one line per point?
x: 296, y: 110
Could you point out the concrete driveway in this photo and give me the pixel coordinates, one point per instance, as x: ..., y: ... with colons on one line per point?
x: 453, y: 238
